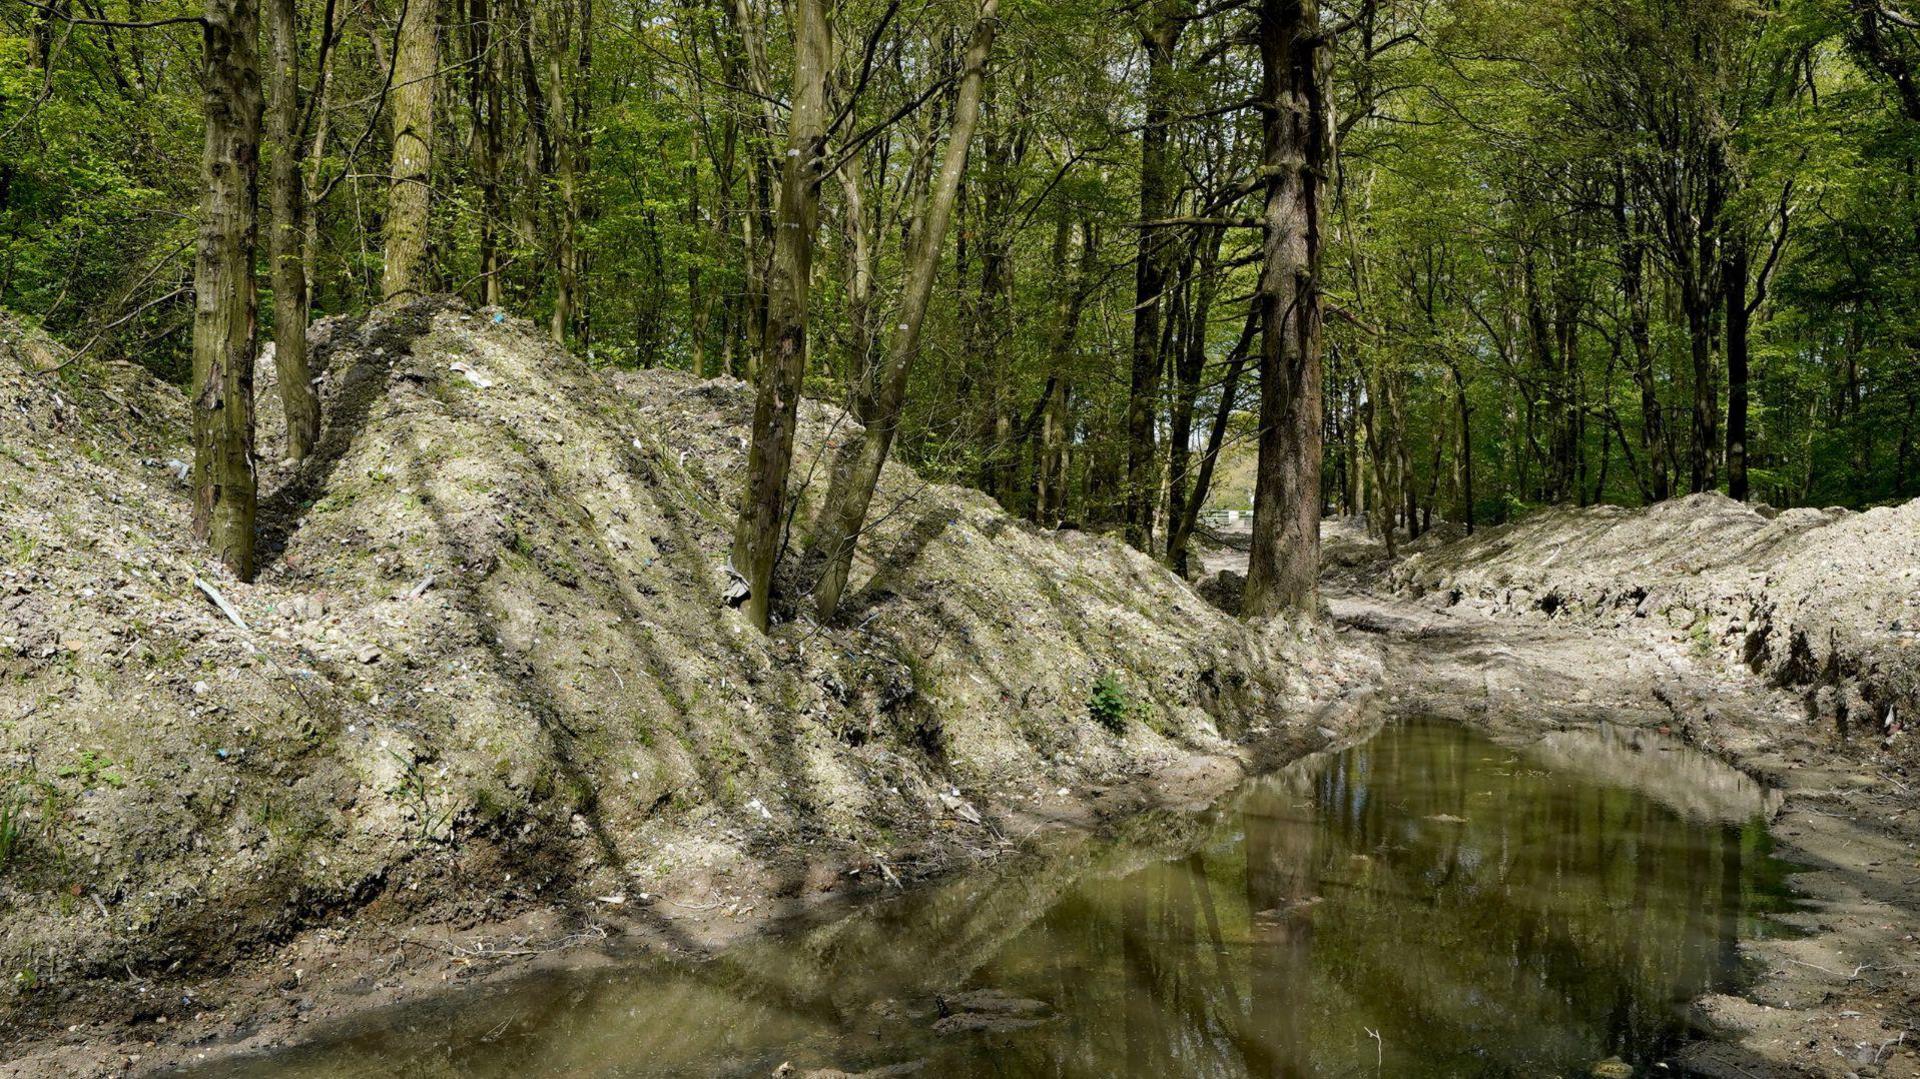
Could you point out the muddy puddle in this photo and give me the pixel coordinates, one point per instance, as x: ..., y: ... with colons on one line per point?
x: 1428, y: 903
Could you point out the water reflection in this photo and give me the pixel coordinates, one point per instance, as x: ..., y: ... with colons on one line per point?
x: 1430, y: 903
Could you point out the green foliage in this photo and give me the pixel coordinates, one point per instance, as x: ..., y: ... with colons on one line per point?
x: 433, y: 822
x: 91, y: 182
x: 11, y: 831
x: 91, y: 769
x: 1472, y: 255
x: 1110, y: 704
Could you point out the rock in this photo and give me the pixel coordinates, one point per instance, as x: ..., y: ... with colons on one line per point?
x: 737, y: 591
x: 1223, y: 589
x: 367, y: 653
x: 995, y: 1002
x: 977, y: 1023
x: 891, y: 1071
x: 474, y: 377
x: 306, y: 608
x: 960, y: 807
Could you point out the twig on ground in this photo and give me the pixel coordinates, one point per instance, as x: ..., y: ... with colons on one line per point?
x: 220, y: 601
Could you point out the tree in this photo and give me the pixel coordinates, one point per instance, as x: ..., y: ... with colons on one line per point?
x: 854, y: 482
x: 567, y: 67
x: 1890, y: 43
x: 1283, y: 572
x: 761, y: 530
x: 1556, y: 261
x: 416, y: 61
x: 1159, y: 37
x: 224, y: 298
x: 288, y: 196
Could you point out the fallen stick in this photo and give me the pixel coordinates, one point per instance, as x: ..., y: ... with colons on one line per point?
x: 220, y: 601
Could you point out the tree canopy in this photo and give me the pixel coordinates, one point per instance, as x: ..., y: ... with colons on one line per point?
x: 1541, y: 252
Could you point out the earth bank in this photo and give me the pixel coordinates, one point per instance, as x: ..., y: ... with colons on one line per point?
x: 487, y: 702
x: 1784, y: 643
x: 485, y: 684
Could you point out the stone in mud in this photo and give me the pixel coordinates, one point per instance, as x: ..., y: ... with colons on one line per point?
x: 1222, y: 589
x: 988, y: 1011
x: 911, y: 1067
x: 995, y: 1002
x: 976, y: 1023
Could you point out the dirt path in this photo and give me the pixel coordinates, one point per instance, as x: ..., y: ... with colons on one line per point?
x: 1842, y: 1001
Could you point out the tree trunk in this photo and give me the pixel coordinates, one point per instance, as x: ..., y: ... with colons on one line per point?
x: 1734, y: 284
x: 1700, y: 343
x: 1180, y: 529
x: 491, y: 147
x: 1150, y: 278
x: 1464, y: 464
x: 1190, y: 365
x: 1284, y: 568
x: 1653, y: 436
x: 415, y: 62
x: 1375, y: 419
x: 315, y: 154
x: 988, y: 328
x: 224, y: 297
x: 857, y: 231
x: 745, y: 64
x: 289, y: 199
x: 1905, y: 483
x: 1700, y: 301
x: 758, y: 536
x: 1051, y: 477
x: 854, y: 481
x: 564, y: 113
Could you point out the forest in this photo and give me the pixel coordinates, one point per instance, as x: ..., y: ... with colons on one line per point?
x: 1420, y: 259
x: 711, y: 537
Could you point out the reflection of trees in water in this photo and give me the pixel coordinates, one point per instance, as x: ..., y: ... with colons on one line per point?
x: 1282, y: 874
x: 1482, y: 914
x: 1485, y: 913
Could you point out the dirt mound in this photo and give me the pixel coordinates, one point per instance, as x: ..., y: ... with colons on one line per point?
x: 486, y: 663
x: 1827, y: 601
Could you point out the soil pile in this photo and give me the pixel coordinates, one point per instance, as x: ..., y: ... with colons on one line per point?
x: 487, y: 663
x: 1823, y: 601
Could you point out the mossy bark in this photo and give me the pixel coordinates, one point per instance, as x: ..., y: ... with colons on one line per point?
x: 763, y: 509
x: 288, y: 234
x: 1283, y: 573
x: 414, y: 65
x: 224, y: 297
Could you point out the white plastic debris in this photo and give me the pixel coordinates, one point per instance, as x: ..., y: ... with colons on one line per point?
x: 464, y: 368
